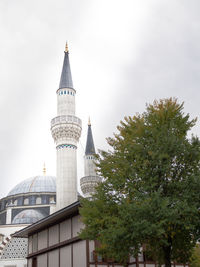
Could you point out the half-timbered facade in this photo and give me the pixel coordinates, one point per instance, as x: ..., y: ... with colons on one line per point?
x: 54, y: 242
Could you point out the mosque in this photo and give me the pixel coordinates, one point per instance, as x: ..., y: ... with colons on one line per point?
x: 40, y: 196
x: 39, y: 218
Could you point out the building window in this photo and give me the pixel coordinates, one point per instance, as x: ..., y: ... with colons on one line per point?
x: 38, y: 200
x: 51, y: 200
x: 26, y: 201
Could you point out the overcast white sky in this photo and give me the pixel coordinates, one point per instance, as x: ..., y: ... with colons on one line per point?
x: 123, y: 55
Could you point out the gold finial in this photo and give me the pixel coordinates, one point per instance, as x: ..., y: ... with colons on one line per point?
x: 44, y: 169
x: 66, y: 47
x: 89, y: 123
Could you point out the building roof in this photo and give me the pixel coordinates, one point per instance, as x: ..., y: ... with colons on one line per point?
x: 36, y: 184
x: 28, y: 216
x: 66, y: 77
x: 89, y: 150
x: 52, y: 219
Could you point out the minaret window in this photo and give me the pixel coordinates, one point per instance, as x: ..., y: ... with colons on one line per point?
x: 65, y: 92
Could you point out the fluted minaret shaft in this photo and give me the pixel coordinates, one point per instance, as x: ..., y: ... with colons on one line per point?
x: 90, y: 180
x: 66, y: 131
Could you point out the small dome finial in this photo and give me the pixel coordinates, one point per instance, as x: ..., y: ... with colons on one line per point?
x: 89, y: 123
x: 44, y: 169
x: 66, y: 48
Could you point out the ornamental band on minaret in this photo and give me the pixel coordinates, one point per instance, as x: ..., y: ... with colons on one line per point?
x: 66, y: 131
x: 90, y: 180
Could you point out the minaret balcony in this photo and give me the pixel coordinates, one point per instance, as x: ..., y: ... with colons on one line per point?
x: 65, y: 128
x: 88, y: 184
x: 66, y: 119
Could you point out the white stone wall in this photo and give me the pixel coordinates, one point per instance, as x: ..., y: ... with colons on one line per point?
x: 14, y: 262
x: 7, y: 230
x: 66, y: 182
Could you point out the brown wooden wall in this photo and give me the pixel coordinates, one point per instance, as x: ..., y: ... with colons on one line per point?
x: 59, y: 246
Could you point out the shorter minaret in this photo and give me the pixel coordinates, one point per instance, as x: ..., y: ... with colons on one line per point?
x: 90, y: 180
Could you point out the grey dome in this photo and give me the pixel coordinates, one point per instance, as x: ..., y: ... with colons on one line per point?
x: 28, y: 216
x: 35, y: 184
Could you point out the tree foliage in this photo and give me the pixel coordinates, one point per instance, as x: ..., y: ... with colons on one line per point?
x: 150, y: 192
x: 195, y: 258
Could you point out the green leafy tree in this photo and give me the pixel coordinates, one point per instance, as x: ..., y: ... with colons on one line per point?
x: 150, y: 195
x: 195, y: 258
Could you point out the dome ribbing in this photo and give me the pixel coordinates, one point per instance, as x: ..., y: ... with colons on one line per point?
x: 35, y: 184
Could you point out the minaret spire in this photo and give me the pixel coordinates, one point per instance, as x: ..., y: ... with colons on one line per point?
x: 66, y: 77
x: 90, y: 180
x: 89, y: 150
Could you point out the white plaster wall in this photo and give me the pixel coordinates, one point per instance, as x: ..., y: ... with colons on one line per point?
x: 42, y: 260
x: 65, y: 230
x: 7, y: 230
x: 15, y: 262
x: 65, y: 256
x: 42, y: 239
x: 66, y: 103
x: 91, y: 249
x: 89, y: 166
x: 53, y: 258
x: 66, y: 182
x: 52, y: 208
x: 77, y: 225
x: 53, y: 235
x: 79, y: 254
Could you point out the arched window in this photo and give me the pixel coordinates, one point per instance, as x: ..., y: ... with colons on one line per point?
x: 51, y: 200
x: 26, y: 201
x: 38, y: 200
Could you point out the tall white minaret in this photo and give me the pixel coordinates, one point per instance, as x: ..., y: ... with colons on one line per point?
x: 90, y: 180
x: 66, y: 131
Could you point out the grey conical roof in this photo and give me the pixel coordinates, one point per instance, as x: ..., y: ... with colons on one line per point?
x: 66, y: 77
x: 90, y: 143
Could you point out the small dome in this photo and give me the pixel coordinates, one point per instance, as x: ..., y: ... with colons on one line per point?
x: 35, y: 184
x: 28, y: 216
